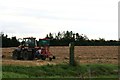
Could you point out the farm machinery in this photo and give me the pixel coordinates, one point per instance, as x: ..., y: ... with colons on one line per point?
x: 30, y: 49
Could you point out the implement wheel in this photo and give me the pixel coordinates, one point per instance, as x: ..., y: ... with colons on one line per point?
x: 54, y: 57
x: 43, y: 57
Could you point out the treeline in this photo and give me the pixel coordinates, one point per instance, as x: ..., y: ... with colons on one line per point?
x: 9, y: 42
x: 65, y: 37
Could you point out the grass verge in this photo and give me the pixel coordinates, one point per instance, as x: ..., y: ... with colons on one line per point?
x: 61, y: 71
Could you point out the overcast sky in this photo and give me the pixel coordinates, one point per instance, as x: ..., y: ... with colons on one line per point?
x: 94, y: 18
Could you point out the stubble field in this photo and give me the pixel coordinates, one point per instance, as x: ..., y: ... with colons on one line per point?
x: 83, y: 55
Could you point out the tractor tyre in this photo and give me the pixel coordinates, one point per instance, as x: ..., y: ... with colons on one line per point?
x: 15, y: 55
x: 31, y: 56
x: 25, y: 55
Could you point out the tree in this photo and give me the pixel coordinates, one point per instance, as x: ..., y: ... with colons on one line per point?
x: 65, y: 37
x: 47, y: 36
x: 9, y: 42
x: 77, y: 36
x: 101, y: 39
x: 14, y: 42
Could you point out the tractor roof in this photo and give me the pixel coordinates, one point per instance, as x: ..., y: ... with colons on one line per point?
x: 44, y: 39
x: 29, y: 38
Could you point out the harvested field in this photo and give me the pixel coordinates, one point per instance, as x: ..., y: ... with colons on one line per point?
x: 83, y: 55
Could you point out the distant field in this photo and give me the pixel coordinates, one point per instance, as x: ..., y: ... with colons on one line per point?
x: 83, y: 55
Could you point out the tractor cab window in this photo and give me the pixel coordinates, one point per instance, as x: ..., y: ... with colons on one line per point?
x: 30, y: 42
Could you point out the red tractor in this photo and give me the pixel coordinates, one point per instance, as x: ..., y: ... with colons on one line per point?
x: 29, y: 49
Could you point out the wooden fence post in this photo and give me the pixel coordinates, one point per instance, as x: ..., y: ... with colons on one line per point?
x: 71, y: 47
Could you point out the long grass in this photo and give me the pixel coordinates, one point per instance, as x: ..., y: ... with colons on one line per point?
x: 61, y: 71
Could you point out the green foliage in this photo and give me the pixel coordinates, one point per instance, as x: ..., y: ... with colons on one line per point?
x: 14, y: 75
x: 9, y: 42
x: 61, y: 70
x: 65, y: 37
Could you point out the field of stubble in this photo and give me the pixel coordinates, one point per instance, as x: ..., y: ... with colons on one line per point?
x: 83, y: 55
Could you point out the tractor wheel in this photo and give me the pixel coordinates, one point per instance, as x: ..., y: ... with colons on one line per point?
x: 31, y: 56
x: 25, y: 55
x: 43, y: 57
x: 15, y: 55
x: 28, y: 55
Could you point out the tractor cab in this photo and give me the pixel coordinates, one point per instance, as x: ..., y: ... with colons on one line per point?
x: 29, y: 42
